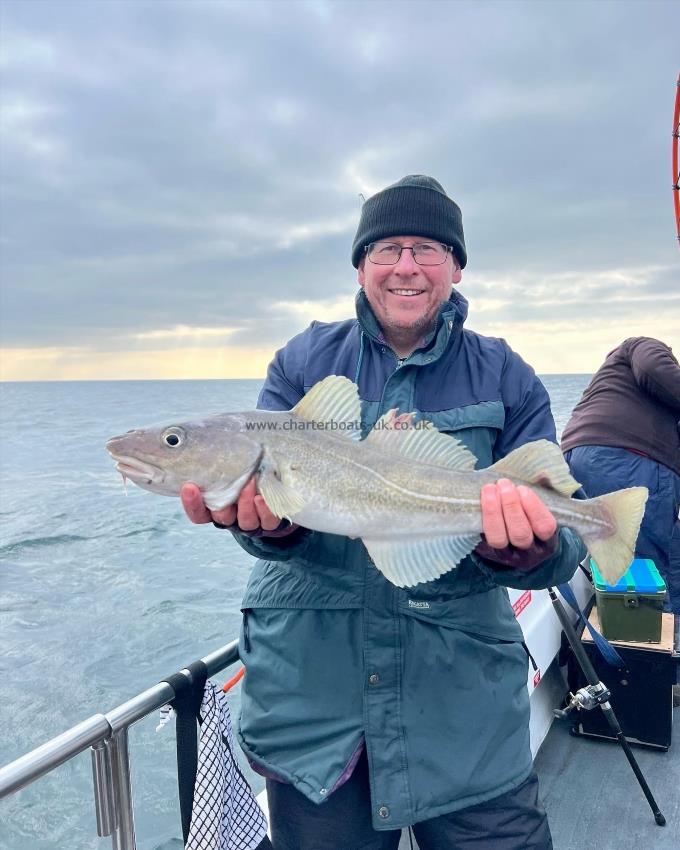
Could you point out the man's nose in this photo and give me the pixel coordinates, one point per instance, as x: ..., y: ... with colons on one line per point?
x: 406, y: 264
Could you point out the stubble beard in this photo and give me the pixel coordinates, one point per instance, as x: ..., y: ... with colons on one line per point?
x: 411, y: 331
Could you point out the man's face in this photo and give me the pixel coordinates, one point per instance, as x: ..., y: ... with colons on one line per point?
x: 406, y: 297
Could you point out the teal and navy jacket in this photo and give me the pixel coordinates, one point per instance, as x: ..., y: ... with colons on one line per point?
x: 432, y: 679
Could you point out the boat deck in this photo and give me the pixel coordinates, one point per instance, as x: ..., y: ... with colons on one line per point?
x: 593, y: 798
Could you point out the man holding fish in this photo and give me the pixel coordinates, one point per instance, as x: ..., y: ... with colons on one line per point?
x: 386, y: 673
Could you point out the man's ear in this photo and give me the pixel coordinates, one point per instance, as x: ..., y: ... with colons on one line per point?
x: 360, y: 271
x: 457, y: 272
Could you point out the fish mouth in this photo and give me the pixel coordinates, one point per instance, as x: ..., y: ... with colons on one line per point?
x: 137, y: 470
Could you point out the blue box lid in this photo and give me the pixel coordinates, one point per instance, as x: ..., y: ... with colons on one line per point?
x: 641, y: 576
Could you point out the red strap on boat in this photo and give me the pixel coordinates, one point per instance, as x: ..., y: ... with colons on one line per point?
x: 234, y: 680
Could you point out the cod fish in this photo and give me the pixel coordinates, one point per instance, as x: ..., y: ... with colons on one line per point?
x: 409, y: 492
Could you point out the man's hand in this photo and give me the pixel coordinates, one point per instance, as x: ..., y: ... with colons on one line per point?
x: 514, y: 516
x: 250, y: 511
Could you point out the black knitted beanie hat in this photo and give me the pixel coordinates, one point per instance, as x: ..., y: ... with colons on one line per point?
x: 416, y: 205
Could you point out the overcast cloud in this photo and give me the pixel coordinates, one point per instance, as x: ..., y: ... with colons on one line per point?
x: 186, y: 175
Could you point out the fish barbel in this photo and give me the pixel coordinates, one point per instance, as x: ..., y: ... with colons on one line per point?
x: 409, y: 492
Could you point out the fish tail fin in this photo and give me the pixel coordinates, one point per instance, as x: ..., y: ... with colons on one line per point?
x: 624, y: 510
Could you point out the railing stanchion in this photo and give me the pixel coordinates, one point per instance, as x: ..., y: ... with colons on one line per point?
x: 124, y: 832
x: 104, y: 795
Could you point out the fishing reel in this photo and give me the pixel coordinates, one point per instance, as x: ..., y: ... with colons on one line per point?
x: 585, y: 699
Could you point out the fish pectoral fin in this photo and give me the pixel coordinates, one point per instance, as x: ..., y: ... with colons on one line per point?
x: 540, y: 462
x: 406, y: 562
x: 222, y: 494
x: 333, y: 402
x: 282, y: 499
x: 421, y: 442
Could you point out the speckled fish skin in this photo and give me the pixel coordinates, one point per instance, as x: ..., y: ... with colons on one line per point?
x: 321, y: 479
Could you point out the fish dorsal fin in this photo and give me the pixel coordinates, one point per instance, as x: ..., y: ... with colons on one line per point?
x: 333, y: 402
x: 406, y: 562
x: 540, y: 462
x: 421, y: 442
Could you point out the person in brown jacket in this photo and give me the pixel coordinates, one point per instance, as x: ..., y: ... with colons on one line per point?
x: 625, y: 431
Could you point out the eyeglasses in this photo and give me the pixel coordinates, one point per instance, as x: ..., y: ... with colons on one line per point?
x: 424, y: 253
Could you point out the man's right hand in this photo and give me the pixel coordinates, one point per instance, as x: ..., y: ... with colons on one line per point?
x: 250, y: 512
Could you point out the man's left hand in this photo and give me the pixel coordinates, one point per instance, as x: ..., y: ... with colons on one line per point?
x: 514, y: 516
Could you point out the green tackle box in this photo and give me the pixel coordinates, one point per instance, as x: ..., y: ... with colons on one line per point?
x: 630, y: 610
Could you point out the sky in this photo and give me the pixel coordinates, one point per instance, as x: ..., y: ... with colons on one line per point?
x: 180, y: 182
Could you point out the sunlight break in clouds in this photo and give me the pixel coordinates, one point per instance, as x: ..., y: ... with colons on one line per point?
x: 182, y: 332
x: 300, y: 233
x: 569, y: 347
x: 568, y: 321
x: 82, y: 364
x: 305, y: 312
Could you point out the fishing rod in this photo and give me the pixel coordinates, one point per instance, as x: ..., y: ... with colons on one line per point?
x: 674, y: 158
x: 597, y: 693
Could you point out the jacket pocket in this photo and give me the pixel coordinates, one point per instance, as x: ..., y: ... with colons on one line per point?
x: 487, y: 616
x: 292, y: 585
x: 476, y: 426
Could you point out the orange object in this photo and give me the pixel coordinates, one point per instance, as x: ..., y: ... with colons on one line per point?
x: 234, y: 680
x: 674, y: 157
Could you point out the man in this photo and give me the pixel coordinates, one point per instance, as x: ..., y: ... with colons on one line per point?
x: 625, y: 432
x: 370, y: 707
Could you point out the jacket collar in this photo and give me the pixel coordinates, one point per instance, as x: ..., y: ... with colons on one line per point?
x: 450, y: 319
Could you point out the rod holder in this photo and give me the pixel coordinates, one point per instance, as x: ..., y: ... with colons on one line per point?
x: 104, y: 796
x: 123, y: 837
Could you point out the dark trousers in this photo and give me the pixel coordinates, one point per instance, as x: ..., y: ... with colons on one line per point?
x: 514, y: 821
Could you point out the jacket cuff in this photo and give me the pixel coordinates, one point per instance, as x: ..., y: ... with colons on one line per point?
x: 523, y: 560
x: 556, y: 569
x: 284, y: 529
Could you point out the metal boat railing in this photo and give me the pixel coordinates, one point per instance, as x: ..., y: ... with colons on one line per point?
x: 107, y: 736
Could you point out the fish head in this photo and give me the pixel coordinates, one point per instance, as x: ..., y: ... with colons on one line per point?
x: 217, y: 454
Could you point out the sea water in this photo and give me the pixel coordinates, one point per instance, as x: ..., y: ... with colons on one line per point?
x: 104, y: 592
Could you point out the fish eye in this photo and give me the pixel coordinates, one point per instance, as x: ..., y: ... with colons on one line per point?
x: 173, y: 437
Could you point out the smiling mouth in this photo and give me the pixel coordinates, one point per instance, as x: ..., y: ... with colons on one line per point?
x: 409, y: 293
